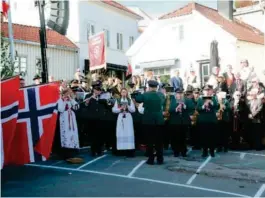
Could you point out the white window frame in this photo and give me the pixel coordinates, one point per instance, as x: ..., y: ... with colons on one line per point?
x: 119, y: 37
x: 90, y: 29
x: 107, y: 37
x: 18, y: 63
x: 181, y: 32
x: 131, y: 41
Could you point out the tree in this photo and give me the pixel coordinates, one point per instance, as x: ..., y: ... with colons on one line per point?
x: 7, y: 67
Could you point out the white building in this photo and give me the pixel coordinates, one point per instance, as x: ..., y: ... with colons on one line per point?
x: 62, y: 54
x: 182, y: 39
x: 143, y: 23
x: 252, y: 15
x: 119, y: 23
x: 88, y: 18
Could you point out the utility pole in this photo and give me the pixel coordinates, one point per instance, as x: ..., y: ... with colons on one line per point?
x: 43, y: 40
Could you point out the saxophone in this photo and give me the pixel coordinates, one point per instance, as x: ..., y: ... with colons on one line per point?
x: 167, y: 114
x: 194, y: 117
x: 219, y: 114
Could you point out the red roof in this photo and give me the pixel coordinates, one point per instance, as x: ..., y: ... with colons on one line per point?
x: 120, y: 6
x: 237, y: 28
x: 31, y: 33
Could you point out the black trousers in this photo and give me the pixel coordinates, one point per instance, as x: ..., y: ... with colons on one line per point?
x: 208, y: 135
x: 96, y: 135
x: 256, y: 136
x: 109, y: 133
x: 154, y: 138
x: 178, y: 138
x: 166, y: 135
x: 195, y: 136
x: 224, y: 134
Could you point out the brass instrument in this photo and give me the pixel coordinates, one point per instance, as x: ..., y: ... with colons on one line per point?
x: 194, y: 117
x: 219, y: 114
x: 167, y: 114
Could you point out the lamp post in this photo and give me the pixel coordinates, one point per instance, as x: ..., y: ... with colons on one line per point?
x: 43, y: 41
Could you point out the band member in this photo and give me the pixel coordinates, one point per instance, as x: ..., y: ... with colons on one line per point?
x: 207, y: 107
x: 153, y: 121
x: 223, y: 117
x: 255, y: 107
x: 179, y: 122
x: 124, y: 106
x: 93, y: 113
x: 37, y: 79
x: 195, y: 140
x: 68, y: 125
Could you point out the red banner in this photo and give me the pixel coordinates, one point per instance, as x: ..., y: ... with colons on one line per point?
x: 97, y: 53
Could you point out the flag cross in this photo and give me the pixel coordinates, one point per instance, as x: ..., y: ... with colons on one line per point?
x: 33, y: 114
x: 8, y: 113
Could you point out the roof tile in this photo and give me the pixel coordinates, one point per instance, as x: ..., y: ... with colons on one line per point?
x: 31, y: 33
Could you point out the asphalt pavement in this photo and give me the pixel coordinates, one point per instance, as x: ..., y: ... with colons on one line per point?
x: 233, y: 174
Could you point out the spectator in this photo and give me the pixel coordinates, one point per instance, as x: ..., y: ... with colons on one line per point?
x: 37, y: 79
x: 22, y: 82
x: 176, y: 81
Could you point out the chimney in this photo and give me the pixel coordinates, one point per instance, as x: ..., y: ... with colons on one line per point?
x: 225, y: 8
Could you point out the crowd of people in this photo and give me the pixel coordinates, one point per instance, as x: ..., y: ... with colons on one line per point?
x: 226, y: 112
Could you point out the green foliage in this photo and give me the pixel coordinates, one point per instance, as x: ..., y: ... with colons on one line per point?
x: 7, y: 67
x: 165, y: 78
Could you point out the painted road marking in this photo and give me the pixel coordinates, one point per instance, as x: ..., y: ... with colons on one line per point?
x: 198, y: 170
x: 242, y: 155
x: 257, y: 154
x: 90, y: 162
x: 136, y: 168
x: 59, y: 162
x: 260, y: 191
x: 140, y: 179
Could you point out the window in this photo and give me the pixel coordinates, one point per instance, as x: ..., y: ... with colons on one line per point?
x: 20, y: 64
x: 131, y: 41
x: 119, y: 41
x: 205, y: 72
x: 107, y: 37
x: 90, y: 30
x: 38, y: 64
x: 181, y: 32
x: 161, y: 71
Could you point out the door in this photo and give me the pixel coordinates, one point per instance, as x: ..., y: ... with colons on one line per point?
x: 205, y: 72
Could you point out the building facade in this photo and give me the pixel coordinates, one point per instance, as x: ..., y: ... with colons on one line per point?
x: 182, y: 39
x: 62, y: 54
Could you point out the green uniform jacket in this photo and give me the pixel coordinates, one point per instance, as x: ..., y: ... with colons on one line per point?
x: 177, y: 118
x: 153, y: 107
x: 207, y: 116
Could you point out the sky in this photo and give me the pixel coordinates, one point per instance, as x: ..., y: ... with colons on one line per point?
x: 157, y: 8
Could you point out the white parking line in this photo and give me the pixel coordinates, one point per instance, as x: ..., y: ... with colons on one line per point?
x: 57, y: 163
x: 257, y: 154
x: 242, y: 155
x: 260, y: 191
x: 140, y: 179
x: 90, y: 162
x: 198, y: 170
x: 136, y: 168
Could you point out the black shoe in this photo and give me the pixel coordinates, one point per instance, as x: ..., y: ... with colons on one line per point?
x: 205, y: 154
x: 150, y: 161
x: 176, y: 154
x: 184, y: 154
x: 160, y: 160
x: 212, y: 154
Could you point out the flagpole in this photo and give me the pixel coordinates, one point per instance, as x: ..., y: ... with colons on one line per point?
x: 10, y: 32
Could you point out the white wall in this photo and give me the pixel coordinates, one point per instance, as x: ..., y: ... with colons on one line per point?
x: 102, y: 17
x: 199, y: 32
x: 62, y: 64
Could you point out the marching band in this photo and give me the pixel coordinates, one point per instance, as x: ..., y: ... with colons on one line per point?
x: 122, y: 120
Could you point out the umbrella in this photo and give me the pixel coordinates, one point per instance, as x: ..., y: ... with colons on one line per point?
x: 214, y: 58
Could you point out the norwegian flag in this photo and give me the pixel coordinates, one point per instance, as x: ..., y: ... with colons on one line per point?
x: 9, y: 112
x: 129, y: 71
x: 36, y: 124
x: 5, y: 8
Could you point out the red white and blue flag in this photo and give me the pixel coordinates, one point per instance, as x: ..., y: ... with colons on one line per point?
x: 36, y: 124
x: 5, y: 8
x: 9, y: 112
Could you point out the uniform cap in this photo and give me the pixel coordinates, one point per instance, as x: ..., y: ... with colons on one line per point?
x: 36, y: 77
x: 152, y: 83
